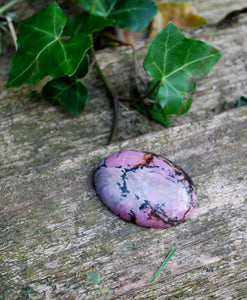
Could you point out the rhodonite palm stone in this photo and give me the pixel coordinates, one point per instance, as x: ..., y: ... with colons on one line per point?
x: 146, y: 189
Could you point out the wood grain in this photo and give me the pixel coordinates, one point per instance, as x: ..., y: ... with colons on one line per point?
x: 34, y: 132
x: 54, y: 229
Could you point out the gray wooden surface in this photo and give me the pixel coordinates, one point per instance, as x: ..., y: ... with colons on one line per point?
x: 55, y: 231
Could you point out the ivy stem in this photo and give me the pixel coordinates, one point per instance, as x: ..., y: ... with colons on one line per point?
x: 121, y: 43
x: 115, y: 120
x: 149, y: 93
x: 101, y: 75
x: 115, y: 99
x: 135, y: 68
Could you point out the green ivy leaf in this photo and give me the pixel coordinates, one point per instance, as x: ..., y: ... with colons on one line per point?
x: 83, y: 68
x: 153, y: 111
x: 85, y: 23
x: 132, y: 14
x: 187, y: 105
x: 71, y: 94
x: 43, y: 51
x: 178, y: 62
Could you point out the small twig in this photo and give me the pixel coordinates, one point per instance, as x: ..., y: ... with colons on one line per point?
x: 164, y: 263
x: 151, y: 101
x: 12, y: 30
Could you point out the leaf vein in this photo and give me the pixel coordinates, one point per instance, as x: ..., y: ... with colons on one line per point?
x: 41, y: 30
x: 188, y: 64
x: 30, y: 65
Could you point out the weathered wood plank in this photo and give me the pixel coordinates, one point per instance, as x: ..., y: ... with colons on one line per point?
x: 34, y: 133
x: 55, y: 230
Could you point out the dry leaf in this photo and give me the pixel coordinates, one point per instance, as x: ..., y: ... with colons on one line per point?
x: 181, y: 14
x: 112, y: 36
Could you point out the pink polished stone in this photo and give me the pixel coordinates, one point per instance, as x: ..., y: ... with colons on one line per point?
x: 145, y: 188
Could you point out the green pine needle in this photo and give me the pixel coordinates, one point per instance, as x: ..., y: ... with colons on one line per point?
x: 164, y: 263
x: 6, y: 7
